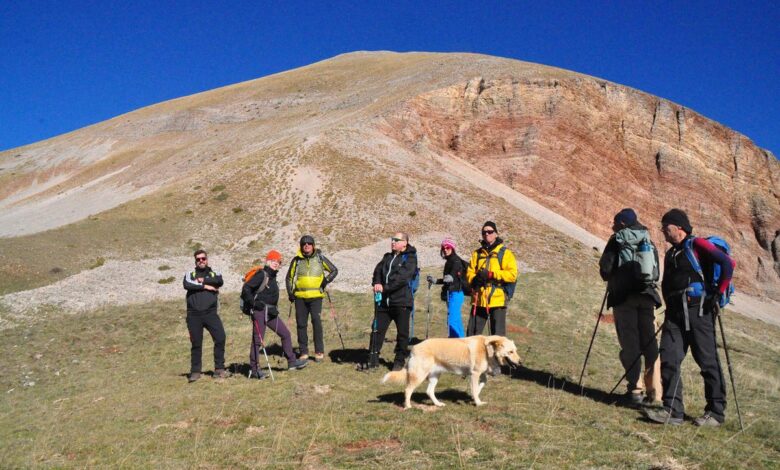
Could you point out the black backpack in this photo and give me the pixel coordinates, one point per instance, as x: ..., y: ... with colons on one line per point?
x: 246, y: 305
x: 464, y: 283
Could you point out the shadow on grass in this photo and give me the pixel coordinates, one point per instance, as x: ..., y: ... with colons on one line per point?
x: 549, y: 380
x: 448, y: 396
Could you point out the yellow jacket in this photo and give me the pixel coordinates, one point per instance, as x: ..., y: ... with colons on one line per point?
x: 492, y: 295
x: 308, y: 275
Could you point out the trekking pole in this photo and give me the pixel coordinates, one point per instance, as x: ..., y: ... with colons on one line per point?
x: 262, y: 346
x: 335, y: 319
x: 289, y: 311
x: 598, y: 320
x: 428, y: 326
x: 639, y: 356
x: 731, y: 373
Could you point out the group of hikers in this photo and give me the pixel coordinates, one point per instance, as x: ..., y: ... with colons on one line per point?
x: 696, y: 285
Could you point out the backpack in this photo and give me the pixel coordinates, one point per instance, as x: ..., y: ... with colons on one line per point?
x: 636, y: 249
x: 464, y: 284
x: 509, y: 287
x: 414, y: 283
x: 711, y: 277
x: 245, y: 306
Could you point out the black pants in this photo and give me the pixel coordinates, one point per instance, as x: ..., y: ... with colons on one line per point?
x: 399, y: 315
x: 196, y: 322
x: 635, y: 327
x: 675, y: 342
x: 497, y: 321
x: 304, y: 307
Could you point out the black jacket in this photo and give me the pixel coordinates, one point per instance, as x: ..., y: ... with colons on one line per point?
x: 199, y: 300
x: 395, y: 273
x: 621, y: 281
x: 455, y: 267
x: 269, y: 297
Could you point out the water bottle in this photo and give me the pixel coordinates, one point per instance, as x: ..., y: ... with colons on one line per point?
x: 645, y: 259
x: 378, y: 297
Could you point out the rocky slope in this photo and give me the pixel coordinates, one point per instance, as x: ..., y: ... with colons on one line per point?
x: 344, y: 137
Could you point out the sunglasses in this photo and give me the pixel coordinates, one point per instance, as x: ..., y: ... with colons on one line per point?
x: 488, y: 232
x: 396, y: 240
x: 307, y: 243
x: 201, y: 259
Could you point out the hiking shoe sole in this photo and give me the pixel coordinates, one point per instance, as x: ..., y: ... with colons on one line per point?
x: 662, y: 417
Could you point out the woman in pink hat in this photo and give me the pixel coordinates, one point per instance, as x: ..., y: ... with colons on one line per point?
x: 453, y: 286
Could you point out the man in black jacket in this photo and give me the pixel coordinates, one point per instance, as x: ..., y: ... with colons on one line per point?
x: 632, y: 300
x: 392, y: 281
x: 202, y: 286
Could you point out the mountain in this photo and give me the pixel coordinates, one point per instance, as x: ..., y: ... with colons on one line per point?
x: 357, y: 146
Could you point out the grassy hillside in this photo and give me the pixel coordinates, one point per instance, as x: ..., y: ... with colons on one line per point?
x: 108, y: 388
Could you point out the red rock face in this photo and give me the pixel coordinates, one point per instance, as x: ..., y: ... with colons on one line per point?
x: 587, y: 148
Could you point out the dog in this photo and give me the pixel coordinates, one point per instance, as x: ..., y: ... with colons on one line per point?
x: 473, y: 356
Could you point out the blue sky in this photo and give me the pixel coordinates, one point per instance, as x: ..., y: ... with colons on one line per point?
x: 66, y: 65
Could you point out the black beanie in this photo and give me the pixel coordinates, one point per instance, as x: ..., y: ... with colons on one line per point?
x: 491, y: 225
x: 679, y: 218
x: 307, y: 239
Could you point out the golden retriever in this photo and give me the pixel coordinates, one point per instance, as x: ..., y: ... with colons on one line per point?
x: 473, y: 356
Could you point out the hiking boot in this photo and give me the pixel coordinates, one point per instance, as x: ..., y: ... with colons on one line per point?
x: 707, y: 420
x: 319, y: 357
x: 648, y: 401
x: 221, y: 374
x: 257, y: 375
x: 304, y: 357
x: 297, y: 365
x: 663, y: 416
x: 631, y: 399
x: 193, y: 377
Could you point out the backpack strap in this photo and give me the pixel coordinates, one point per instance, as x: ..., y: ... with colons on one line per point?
x: 695, y: 287
x: 261, y: 288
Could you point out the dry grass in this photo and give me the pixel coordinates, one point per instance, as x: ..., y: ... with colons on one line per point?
x: 109, y: 390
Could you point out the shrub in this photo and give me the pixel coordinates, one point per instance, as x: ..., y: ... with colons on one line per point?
x: 100, y: 261
x: 218, y: 188
x: 164, y: 267
x: 237, y: 210
x: 221, y: 196
x: 167, y: 280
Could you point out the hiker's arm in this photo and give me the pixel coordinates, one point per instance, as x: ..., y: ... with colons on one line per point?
x: 607, y: 260
x: 215, y: 281
x: 401, y: 276
x: 252, y: 285
x: 706, y: 250
x: 190, y: 284
x: 288, y: 280
x: 331, y: 269
x: 471, y: 270
x: 508, y: 271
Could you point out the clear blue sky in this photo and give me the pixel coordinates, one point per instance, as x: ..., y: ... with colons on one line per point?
x: 68, y: 64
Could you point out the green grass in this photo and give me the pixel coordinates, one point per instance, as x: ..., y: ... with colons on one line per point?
x: 110, y: 390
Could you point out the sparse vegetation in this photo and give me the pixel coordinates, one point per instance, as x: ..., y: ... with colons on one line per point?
x: 100, y: 261
x: 223, y: 196
x: 218, y: 188
x: 166, y: 280
x: 70, y: 403
x: 164, y: 267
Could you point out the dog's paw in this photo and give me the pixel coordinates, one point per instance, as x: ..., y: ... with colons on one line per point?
x: 439, y: 404
x: 480, y: 403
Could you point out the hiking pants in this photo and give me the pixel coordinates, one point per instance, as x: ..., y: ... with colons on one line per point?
x: 400, y: 316
x: 302, y: 309
x: 196, y: 322
x: 635, y: 326
x: 454, y: 320
x: 497, y: 321
x: 260, y: 320
x: 675, y: 342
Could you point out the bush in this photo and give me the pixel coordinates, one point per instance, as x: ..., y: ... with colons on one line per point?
x: 164, y: 267
x: 237, y: 210
x: 218, y: 188
x: 221, y: 196
x: 100, y: 261
x: 167, y: 280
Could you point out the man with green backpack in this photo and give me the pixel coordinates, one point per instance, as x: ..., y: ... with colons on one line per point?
x: 629, y: 264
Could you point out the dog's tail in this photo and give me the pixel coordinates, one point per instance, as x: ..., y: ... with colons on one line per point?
x: 397, y: 377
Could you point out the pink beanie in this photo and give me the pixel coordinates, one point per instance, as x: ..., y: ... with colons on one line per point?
x: 448, y: 243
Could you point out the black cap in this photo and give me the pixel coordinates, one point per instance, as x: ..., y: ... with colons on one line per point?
x: 624, y: 218
x: 306, y: 239
x: 679, y: 218
x: 490, y: 224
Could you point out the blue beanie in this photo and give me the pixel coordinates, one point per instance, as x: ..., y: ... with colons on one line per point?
x: 624, y: 218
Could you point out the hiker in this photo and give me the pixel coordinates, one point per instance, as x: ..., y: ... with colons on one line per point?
x: 392, y: 279
x: 633, y: 297
x: 492, y: 268
x: 690, y: 320
x: 453, y: 286
x: 261, y: 292
x: 202, y: 286
x: 310, y: 271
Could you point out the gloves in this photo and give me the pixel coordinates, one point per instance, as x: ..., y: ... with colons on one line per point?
x: 480, y: 280
x: 723, y: 300
x: 430, y: 279
x: 448, y: 279
x: 291, y: 297
x: 323, y: 284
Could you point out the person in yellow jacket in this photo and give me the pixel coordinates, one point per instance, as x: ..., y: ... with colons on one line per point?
x: 310, y: 271
x: 490, y: 279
